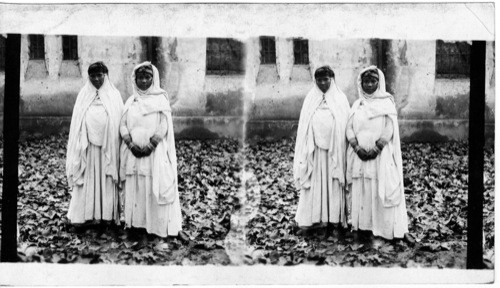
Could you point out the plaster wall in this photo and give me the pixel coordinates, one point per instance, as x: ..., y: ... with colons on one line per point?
x: 270, y: 96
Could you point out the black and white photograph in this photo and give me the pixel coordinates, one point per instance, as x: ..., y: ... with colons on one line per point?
x: 247, y: 143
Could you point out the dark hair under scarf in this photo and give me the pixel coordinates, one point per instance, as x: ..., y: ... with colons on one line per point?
x: 324, y: 71
x: 145, y: 69
x: 372, y: 73
x: 98, y: 67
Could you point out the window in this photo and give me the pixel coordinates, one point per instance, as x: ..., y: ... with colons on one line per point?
x: 452, y: 59
x: 224, y: 56
x: 70, y: 47
x: 37, y: 47
x: 301, y: 51
x: 267, y: 50
x: 2, y: 53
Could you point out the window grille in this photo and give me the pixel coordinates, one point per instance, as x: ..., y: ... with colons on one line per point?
x: 224, y: 56
x: 267, y: 50
x: 70, y: 47
x: 452, y: 59
x: 301, y: 51
x: 37, y: 47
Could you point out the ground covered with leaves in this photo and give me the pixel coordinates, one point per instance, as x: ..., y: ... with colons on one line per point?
x: 209, y: 182
x: 435, y: 177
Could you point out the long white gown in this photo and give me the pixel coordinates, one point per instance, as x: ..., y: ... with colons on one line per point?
x: 377, y: 188
x: 319, y: 158
x: 322, y: 203
x: 98, y: 197
x: 150, y: 183
x: 142, y: 209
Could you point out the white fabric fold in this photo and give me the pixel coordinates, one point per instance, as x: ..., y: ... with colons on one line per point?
x: 390, y: 165
x: 164, y: 168
x: 304, y: 146
x: 96, y: 120
x: 322, y: 126
x: 78, y: 135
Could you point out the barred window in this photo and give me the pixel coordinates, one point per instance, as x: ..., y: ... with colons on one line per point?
x: 224, y: 57
x: 2, y: 53
x: 70, y: 47
x: 37, y: 47
x: 267, y: 50
x: 301, y: 51
x: 452, y: 59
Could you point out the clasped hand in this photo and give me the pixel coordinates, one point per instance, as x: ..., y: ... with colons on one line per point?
x: 137, y: 151
x: 362, y: 153
x: 367, y: 155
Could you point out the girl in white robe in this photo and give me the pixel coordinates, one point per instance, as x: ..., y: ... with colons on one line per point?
x: 374, y: 162
x: 148, y: 167
x: 319, y: 160
x: 93, y: 150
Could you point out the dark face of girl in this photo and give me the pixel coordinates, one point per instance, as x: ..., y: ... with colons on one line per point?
x: 97, y: 79
x: 143, y: 80
x: 369, y: 84
x: 323, y: 83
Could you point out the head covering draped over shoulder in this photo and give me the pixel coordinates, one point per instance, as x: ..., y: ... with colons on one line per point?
x: 304, y: 145
x: 155, y: 100
x: 381, y: 103
x: 148, y: 102
x: 78, y: 141
x: 385, y: 104
x: 155, y: 88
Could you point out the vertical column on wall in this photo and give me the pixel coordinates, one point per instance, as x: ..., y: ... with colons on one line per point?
x: 388, y: 63
x: 284, y: 58
x: 11, y: 151
x: 476, y: 156
x: 382, y: 47
x: 169, y: 66
x: 53, y: 55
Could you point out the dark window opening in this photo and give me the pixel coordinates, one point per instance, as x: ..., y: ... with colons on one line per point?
x: 267, y: 50
x: 2, y: 53
x: 225, y: 57
x: 452, y: 59
x: 301, y: 51
x: 70, y: 47
x: 37, y: 47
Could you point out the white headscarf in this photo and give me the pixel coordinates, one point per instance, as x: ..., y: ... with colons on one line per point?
x: 304, y: 145
x: 148, y: 102
x: 78, y: 140
x: 384, y: 104
x: 155, y: 88
x: 381, y: 103
x: 155, y: 99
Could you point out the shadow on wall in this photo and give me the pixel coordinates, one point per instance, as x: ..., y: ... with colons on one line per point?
x: 196, y: 133
x: 228, y: 103
x: 456, y: 107
x: 425, y: 135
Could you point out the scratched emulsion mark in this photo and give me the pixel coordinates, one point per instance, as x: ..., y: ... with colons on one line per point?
x: 235, y: 243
